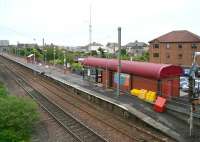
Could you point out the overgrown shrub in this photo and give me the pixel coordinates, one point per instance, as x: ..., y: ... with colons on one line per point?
x: 17, y: 117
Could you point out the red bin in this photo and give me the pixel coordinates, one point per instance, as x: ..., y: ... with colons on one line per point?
x: 160, y: 104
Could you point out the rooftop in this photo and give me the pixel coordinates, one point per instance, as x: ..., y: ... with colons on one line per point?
x: 144, y: 69
x: 136, y: 44
x: 178, y: 36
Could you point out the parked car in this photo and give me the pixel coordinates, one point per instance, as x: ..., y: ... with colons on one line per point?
x: 186, y: 72
x: 183, y: 78
x: 183, y: 81
x: 184, y: 85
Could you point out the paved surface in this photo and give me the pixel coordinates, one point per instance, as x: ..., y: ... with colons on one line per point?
x: 165, y: 122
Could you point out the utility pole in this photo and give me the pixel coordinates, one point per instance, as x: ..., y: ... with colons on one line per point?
x: 34, y: 56
x: 34, y: 50
x: 64, y: 62
x: 90, y: 29
x: 43, y: 43
x: 54, y: 54
x: 119, y: 61
x: 45, y: 56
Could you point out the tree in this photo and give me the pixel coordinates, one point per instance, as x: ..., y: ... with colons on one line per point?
x: 123, y: 52
x: 102, y: 52
x: 3, y: 91
x: 17, y: 116
x: 93, y: 53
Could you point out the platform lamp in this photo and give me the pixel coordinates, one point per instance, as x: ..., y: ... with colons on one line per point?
x: 34, y: 55
x: 119, y: 61
x: 64, y: 61
x: 107, y: 71
x: 54, y: 54
x: 45, y: 56
x: 34, y: 50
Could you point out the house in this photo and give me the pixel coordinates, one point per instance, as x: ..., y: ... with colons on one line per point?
x: 176, y: 47
x: 112, y: 47
x: 27, y: 45
x: 94, y: 46
x: 136, y: 48
x: 4, y: 43
x: 79, y: 48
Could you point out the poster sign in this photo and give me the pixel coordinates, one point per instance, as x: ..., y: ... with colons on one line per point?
x: 88, y: 72
x: 124, y: 79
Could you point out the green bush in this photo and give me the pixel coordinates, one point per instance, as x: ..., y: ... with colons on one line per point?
x: 76, y: 67
x: 3, y: 90
x: 17, y: 116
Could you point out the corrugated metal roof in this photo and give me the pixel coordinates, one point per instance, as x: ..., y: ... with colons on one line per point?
x: 144, y: 69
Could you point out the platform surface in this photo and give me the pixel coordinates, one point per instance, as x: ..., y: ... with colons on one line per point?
x: 165, y: 122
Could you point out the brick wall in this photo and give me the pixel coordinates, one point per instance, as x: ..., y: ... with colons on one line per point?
x: 144, y: 83
x: 166, y: 87
x: 171, y: 53
x: 169, y: 86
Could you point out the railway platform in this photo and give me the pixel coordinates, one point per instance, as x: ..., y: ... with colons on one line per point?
x: 165, y: 122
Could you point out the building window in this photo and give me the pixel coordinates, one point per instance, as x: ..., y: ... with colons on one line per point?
x: 167, y: 55
x: 179, y: 45
x: 156, y: 45
x: 180, y: 56
x: 194, y: 45
x: 167, y: 45
x: 155, y: 54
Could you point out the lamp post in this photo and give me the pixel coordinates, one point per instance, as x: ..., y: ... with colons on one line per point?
x: 107, y: 70
x: 45, y: 56
x: 34, y: 51
x: 54, y: 54
x: 64, y: 62
x: 119, y: 61
x: 34, y: 56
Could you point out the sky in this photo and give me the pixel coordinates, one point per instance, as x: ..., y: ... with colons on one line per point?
x: 66, y: 22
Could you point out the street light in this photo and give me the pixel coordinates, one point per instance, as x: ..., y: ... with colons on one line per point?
x: 34, y: 56
x: 107, y: 70
x: 54, y: 54
x: 45, y: 56
x: 64, y: 61
x: 119, y: 60
x: 34, y: 50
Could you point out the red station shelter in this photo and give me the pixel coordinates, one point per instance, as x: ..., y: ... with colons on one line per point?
x: 161, y: 78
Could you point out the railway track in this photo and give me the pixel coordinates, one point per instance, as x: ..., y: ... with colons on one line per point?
x: 78, y: 131
x: 46, y: 83
x: 51, y: 106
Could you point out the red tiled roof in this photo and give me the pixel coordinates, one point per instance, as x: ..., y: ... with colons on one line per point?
x: 178, y: 36
x: 144, y: 69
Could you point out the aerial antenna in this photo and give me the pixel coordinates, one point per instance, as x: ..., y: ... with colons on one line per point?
x: 90, y: 28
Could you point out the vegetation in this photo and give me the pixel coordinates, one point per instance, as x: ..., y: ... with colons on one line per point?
x: 102, y: 52
x: 3, y: 91
x: 76, y: 67
x: 71, y: 57
x: 17, y: 116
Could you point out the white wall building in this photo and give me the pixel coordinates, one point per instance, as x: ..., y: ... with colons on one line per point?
x: 4, y: 43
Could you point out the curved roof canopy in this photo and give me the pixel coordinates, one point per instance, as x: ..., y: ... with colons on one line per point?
x: 143, y: 69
